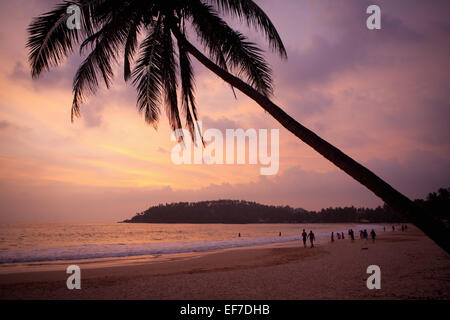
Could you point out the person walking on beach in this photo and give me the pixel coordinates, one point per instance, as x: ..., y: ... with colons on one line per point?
x: 311, y: 238
x: 332, y: 236
x: 373, y: 235
x: 342, y: 236
x: 352, y: 235
x: 365, y: 234
x: 304, y: 236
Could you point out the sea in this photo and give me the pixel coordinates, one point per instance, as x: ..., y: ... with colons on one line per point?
x: 40, y: 243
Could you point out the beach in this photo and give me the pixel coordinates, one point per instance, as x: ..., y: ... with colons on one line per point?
x: 412, y: 267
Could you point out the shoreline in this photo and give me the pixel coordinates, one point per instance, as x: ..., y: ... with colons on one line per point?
x: 50, y: 259
x: 412, y: 267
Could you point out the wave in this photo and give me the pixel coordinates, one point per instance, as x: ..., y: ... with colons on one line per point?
x: 96, y: 251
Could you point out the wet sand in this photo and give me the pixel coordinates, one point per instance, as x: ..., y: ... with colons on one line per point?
x: 412, y: 267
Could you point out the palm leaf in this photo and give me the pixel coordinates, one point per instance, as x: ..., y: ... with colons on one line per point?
x: 239, y: 53
x: 147, y: 76
x: 106, y: 44
x: 50, y: 40
x: 254, y: 16
x: 169, y: 79
x: 187, y: 91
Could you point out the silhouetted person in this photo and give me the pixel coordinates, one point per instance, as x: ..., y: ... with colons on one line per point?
x: 393, y: 228
x: 365, y: 234
x: 280, y: 234
x: 304, y: 236
x: 311, y: 238
x: 373, y: 235
x: 332, y: 237
x: 352, y: 235
x: 342, y: 236
x: 338, y: 235
x: 384, y: 229
x: 239, y: 234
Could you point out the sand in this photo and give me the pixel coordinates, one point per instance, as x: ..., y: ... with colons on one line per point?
x: 412, y: 267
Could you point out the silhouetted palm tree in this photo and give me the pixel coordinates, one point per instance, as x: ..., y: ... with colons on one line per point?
x: 110, y: 27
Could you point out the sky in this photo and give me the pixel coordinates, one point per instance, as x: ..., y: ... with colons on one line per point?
x: 381, y: 96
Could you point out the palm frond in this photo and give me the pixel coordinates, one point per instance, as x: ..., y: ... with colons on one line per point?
x: 254, y: 16
x: 239, y: 53
x: 108, y: 40
x: 187, y: 91
x: 130, y: 48
x: 50, y: 40
x: 147, y: 76
x: 169, y: 79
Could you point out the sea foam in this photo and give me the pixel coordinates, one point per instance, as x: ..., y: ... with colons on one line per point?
x: 95, y: 251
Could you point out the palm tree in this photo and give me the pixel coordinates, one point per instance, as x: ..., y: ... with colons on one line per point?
x: 110, y: 27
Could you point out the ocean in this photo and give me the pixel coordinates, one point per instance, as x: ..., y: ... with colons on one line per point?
x: 44, y: 242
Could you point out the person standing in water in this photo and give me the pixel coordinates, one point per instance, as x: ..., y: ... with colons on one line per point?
x: 304, y: 236
x: 332, y: 236
x: 311, y: 238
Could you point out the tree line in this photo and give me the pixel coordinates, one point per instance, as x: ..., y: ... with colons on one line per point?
x: 240, y: 211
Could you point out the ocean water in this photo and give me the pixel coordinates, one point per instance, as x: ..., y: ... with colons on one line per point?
x: 40, y: 242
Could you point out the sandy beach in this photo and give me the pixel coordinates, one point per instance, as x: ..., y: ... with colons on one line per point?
x: 412, y: 267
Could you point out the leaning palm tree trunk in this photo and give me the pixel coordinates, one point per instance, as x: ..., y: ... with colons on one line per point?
x: 431, y: 226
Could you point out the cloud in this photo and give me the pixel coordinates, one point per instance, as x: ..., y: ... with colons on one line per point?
x: 381, y: 96
x: 221, y: 123
x: 422, y: 172
x: 351, y: 45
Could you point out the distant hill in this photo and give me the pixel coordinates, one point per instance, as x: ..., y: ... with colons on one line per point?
x: 237, y: 211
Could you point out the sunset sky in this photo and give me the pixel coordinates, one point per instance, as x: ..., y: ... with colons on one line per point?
x: 381, y: 96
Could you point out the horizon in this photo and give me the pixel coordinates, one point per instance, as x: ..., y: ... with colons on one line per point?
x: 380, y: 96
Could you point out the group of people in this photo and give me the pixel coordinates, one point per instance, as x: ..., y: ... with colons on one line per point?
x: 340, y: 235
x: 363, y: 234
x: 404, y: 227
x: 309, y: 236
